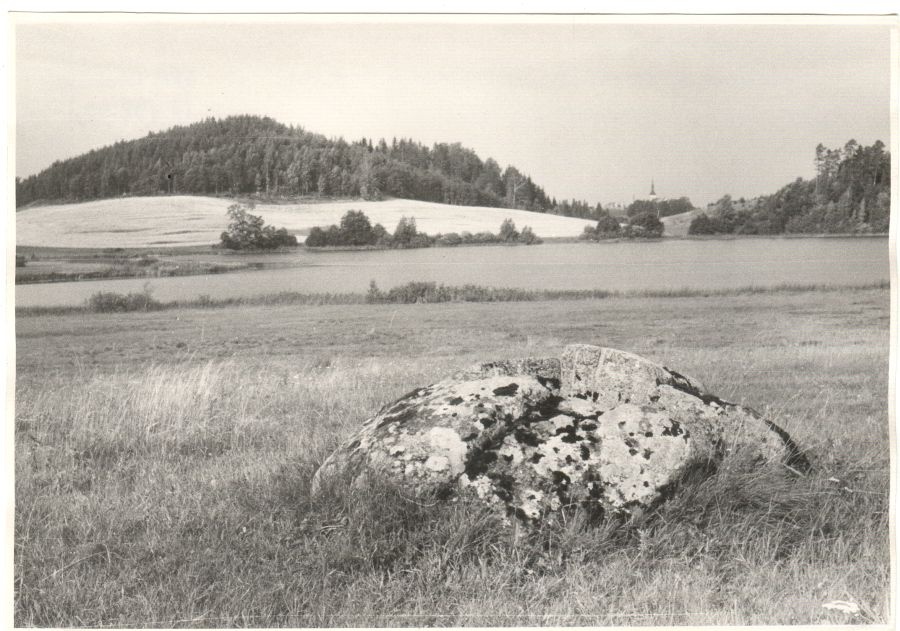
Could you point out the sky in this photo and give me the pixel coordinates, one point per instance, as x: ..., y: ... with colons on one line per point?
x: 590, y: 111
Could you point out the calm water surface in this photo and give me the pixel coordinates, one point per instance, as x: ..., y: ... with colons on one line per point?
x: 713, y: 264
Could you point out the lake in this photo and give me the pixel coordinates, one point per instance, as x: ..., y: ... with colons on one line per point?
x: 667, y: 264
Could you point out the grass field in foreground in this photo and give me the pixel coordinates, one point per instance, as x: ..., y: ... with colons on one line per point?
x: 163, y: 463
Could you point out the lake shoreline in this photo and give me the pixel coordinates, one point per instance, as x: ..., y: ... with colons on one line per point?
x: 710, y: 264
x: 453, y: 295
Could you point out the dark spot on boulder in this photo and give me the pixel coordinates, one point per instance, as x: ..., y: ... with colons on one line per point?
x: 503, y: 485
x: 633, y: 451
x: 477, y: 396
x: 479, y: 463
x: 588, y: 426
x: 568, y: 429
x: 646, y: 484
x: 631, y: 433
x: 548, y: 382
x: 654, y: 398
x: 405, y: 414
x: 454, y: 415
x: 471, y: 436
x: 647, y: 453
x: 673, y: 430
x: 556, y: 450
x: 560, y: 478
x: 353, y: 445
x: 526, y: 437
x: 569, y: 459
x: 571, y: 438
x: 546, y: 409
x: 455, y: 401
x: 506, y: 391
x: 680, y: 382
x: 577, y: 377
x: 581, y: 395
x: 711, y: 398
x: 536, y: 457
x: 630, y: 442
x: 585, y: 452
x: 508, y: 457
x: 487, y: 421
x: 621, y: 423
x: 648, y: 434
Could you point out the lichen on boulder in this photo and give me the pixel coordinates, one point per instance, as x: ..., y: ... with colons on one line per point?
x: 596, y: 427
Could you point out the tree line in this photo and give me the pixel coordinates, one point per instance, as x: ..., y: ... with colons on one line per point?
x: 850, y: 193
x: 355, y: 229
x: 253, y: 155
x: 644, y: 225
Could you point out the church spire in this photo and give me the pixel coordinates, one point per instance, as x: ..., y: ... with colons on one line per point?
x: 652, y: 188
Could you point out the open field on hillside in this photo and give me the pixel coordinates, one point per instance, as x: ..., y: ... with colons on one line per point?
x: 677, y: 225
x: 163, y: 462
x: 135, y: 222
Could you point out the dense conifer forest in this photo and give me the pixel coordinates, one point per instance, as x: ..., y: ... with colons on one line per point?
x: 243, y: 155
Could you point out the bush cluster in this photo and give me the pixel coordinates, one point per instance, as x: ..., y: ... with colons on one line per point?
x: 704, y: 224
x: 355, y: 229
x: 421, y: 292
x: 113, y: 302
x: 249, y: 232
x: 641, y: 226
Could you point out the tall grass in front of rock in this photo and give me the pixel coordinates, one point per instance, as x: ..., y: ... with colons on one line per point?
x: 179, y: 495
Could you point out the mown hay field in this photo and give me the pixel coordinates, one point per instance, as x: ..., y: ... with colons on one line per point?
x: 182, y: 220
x: 163, y: 463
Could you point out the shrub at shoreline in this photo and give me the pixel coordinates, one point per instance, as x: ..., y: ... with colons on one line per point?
x: 356, y: 230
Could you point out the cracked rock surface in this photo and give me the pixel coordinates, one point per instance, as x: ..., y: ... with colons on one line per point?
x: 595, y: 426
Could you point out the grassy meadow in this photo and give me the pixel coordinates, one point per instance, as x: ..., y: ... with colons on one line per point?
x: 164, y: 458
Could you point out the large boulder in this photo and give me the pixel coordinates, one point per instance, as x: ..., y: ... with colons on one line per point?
x: 597, y: 427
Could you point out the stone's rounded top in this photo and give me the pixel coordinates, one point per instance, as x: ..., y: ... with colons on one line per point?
x: 617, y: 376
x: 596, y: 427
x: 581, y: 367
x: 545, y: 369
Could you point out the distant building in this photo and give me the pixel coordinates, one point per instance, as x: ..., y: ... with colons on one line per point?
x: 652, y: 197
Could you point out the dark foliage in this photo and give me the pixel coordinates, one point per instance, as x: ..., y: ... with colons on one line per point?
x: 508, y: 231
x: 575, y: 208
x: 850, y: 194
x: 356, y: 230
x: 641, y: 226
x: 659, y: 207
x: 255, y: 155
x: 644, y: 225
x: 249, y: 232
x: 112, y: 302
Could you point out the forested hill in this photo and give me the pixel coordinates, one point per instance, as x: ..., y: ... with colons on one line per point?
x: 851, y: 193
x: 255, y: 155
